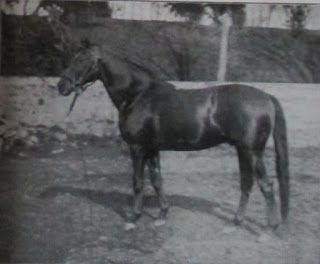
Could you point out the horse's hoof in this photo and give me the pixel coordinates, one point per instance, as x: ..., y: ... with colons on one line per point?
x: 163, y: 213
x: 159, y: 222
x: 230, y: 229
x: 132, y: 218
x: 266, y: 237
x: 129, y: 226
x: 273, y: 224
x: 282, y: 230
x: 274, y: 227
x: 237, y: 221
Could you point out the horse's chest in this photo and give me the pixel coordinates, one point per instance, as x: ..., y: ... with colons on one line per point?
x: 136, y: 126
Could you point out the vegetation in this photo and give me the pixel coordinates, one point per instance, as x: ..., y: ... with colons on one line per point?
x: 173, y: 51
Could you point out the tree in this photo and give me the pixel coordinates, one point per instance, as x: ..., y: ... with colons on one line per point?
x: 64, y: 41
x: 297, y: 17
x: 20, y: 7
x: 41, y: 39
x: 192, y: 11
x: 79, y: 12
x: 177, y: 52
x: 222, y: 14
x: 180, y: 53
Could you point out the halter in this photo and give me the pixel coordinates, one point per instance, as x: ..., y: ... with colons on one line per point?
x: 77, y: 87
x: 78, y: 90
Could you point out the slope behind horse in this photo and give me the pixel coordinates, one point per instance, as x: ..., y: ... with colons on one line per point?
x: 154, y: 116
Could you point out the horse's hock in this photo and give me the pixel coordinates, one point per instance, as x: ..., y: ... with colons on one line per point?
x: 29, y: 103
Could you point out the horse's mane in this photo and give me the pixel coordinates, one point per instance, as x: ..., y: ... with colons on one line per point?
x: 141, y: 67
x: 85, y: 43
x: 133, y: 64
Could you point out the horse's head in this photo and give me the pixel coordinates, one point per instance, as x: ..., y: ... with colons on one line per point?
x: 83, y: 69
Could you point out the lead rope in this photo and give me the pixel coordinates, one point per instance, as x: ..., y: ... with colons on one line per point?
x: 73, y: 103
x: 87, y: 183
x: 78, y: 91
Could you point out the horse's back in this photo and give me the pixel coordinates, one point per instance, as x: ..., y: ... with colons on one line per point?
x: 183, y: 118
x: 201, y: 118
x: 230, y: 98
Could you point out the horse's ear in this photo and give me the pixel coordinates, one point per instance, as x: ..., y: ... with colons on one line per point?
x: 85, y: 43
x: 95, y: 50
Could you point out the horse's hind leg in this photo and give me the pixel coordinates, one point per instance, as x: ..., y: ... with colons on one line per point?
x: 251, y: 163
x: 246, y: 164
x: 138, y: 156
x: 156, y: 180
x: 266, y: 187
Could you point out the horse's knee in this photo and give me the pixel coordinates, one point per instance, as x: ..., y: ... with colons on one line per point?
x: 137, y: 190
x: 246, y: 185
x: 157, y: 182
x: 137, y: 186
x: 267, y: 189
x: 155, y: 177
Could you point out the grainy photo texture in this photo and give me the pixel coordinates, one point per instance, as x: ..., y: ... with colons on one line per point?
x: 159, y: 132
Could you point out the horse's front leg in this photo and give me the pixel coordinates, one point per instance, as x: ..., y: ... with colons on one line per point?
x: 156, y: 180
x: 138, y: 156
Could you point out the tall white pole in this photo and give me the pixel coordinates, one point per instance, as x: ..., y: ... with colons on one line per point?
x: 0, y: 41
x: 223, y: 57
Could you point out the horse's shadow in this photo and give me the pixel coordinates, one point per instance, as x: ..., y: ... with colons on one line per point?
x: 118, y: 201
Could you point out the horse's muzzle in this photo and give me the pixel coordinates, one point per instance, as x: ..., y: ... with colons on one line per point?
x: 64, y: 88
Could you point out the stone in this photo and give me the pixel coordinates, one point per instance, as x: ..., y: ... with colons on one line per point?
x: 103, y: 238
x: 1, y: 145
x: 229, y: 229
x: 34, y: 140
x: 60, y: 136
x: 57, y: 151
x: 3, y: 129
x: 11, y: 133
x: 22, y: 133
x: 159, y: 222
x: 129, y: 226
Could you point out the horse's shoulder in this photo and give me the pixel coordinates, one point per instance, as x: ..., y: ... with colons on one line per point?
x: 161, y: 87
x: 161, y: 91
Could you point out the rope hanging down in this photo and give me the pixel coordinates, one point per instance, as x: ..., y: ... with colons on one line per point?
x: 77, y: 92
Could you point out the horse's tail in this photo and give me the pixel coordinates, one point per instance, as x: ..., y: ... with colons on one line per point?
x: 282, y: 159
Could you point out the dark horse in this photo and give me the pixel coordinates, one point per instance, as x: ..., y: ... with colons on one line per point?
x: 154, y: 116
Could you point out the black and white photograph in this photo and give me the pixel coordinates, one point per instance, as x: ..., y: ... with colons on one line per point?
x: 159, y: 132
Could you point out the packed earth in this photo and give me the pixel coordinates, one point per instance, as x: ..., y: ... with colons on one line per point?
x: 65, y: 201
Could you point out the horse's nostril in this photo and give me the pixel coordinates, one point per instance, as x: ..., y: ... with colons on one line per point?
x: 65, y: 93
x: 63, y: 89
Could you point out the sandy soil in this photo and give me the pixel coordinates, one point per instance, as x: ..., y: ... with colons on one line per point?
x: 66, y: 203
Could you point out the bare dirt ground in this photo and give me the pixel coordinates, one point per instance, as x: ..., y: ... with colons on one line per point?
x: 66, y: 203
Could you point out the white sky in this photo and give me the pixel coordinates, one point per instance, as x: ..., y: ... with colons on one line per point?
x: 18, y: 8
x: 147, y: 9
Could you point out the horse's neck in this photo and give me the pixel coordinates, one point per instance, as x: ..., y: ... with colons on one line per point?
x: 120, y: 82
x: 113, y: 82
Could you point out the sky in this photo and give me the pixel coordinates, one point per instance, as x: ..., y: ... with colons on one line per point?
x: 257, y: 14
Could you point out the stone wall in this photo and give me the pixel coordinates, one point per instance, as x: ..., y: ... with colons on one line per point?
x: 34, y: 103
